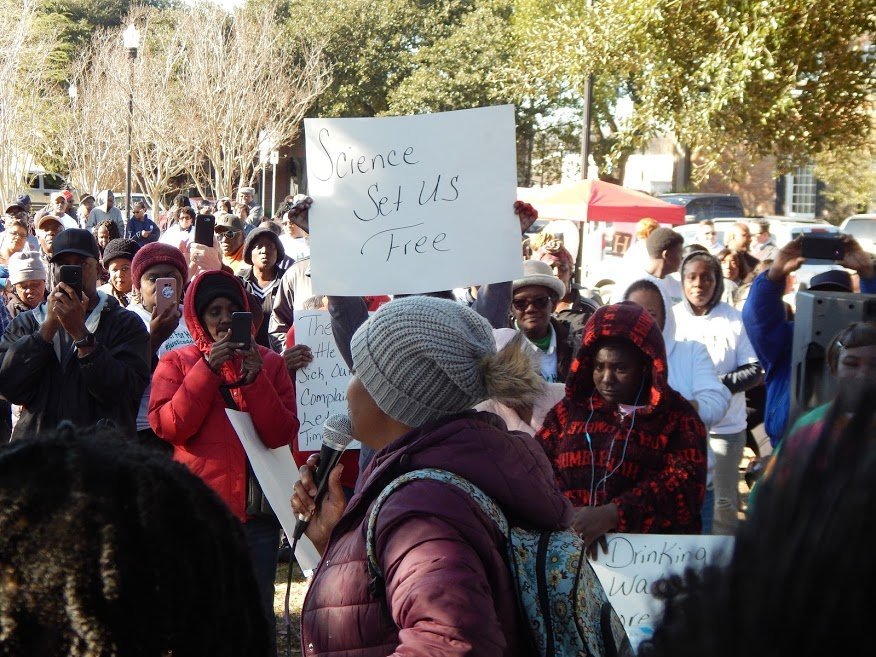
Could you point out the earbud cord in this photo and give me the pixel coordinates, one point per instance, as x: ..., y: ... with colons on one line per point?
x: 608, y: 474
x: 590, y: 448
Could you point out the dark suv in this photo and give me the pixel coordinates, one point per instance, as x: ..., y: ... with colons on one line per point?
x: 706, y: 206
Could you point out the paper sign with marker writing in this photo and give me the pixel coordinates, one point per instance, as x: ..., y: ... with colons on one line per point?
x: 411, y: 204
x: 321, y: 387
x: 635, y: 561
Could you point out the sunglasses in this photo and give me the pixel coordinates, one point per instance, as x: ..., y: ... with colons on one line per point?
x: 539, y: 303
x: 227, y: 234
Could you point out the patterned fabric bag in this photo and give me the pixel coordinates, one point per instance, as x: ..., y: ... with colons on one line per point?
x: 559, y: 594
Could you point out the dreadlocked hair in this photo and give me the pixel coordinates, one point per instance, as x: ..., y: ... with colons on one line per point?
x: 511, y: 375
x: 109, y: 549
x: 802, y: 568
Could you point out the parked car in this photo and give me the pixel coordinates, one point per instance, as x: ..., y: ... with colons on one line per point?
x: 863, y: 228
x: 699, y: 206
x: 43, y: 186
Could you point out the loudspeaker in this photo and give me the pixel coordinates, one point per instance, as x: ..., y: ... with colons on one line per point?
x: 819, y: 316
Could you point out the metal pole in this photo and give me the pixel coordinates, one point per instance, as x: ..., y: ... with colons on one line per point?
x: 133, y: 53
x: 274, y: 191
x: 262, y: 195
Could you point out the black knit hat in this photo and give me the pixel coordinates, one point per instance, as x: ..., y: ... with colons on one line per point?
x: 211, y: 287
x: 121, y: 247
x: 254, y: 235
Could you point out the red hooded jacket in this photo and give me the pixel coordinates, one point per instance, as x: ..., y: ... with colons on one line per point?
x: 651, y: 465
x: 187, y: 409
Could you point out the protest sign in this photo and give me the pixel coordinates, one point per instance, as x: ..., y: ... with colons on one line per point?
x: 635, y: 561
x: 321, y: 387
x: 413, y: 204
x: 276, y: 473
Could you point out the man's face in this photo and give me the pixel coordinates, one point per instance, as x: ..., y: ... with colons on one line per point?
x: 185, y: 220
x: 739, y: 238
x: 759, y: 235
x: 17, y: 238
x: 672, y: 259
x: 245, y: 197
x: 59, y: 206
x: 110, y: 201
x: 138, y: 212
x: 618, y: 374
x: 89, y: 271
x: 46, y: 234
x: 708, y: 235
x: 230, y: 240
x: 89, y: 204
x: 532, y: 307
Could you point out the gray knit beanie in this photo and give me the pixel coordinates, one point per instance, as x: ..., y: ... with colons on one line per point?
x: 420, y: 358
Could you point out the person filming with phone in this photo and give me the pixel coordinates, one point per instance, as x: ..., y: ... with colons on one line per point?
x: 771, y: 332
x: 193, y: 386
x: 79, y: 356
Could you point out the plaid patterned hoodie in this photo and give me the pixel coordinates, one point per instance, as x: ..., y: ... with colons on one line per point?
x: 652, y: 463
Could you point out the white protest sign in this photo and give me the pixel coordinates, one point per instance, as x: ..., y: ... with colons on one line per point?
x: 321, y: 387
x: 413, y: 204
x: 635, y: 561
x: 277, y: 473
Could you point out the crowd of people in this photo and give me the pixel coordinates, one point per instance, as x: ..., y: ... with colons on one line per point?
x: 623, y: 414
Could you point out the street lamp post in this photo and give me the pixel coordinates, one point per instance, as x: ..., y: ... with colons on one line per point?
x: 131, y: 40
x: 275, y: 160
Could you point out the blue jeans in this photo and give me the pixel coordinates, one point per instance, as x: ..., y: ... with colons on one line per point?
x: 708, y: 514
x: 263, y: 540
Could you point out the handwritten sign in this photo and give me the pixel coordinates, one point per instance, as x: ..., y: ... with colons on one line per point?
x: 413, y: 204
x: 636, y: 561
x: 321, y: 387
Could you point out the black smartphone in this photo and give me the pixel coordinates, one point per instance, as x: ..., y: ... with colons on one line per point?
x: 241, y: 328
x: 822, y: 247
x: 72, y: 276
x: 204, y: 225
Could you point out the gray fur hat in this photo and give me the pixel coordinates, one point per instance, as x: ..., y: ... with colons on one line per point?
x: 422, y: 358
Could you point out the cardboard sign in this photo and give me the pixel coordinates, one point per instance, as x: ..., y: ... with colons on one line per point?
x: 321, y: 387
x: 635, y: 561
x: 413, y: 204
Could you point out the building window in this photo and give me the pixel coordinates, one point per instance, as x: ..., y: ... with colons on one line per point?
x: 800, y: 192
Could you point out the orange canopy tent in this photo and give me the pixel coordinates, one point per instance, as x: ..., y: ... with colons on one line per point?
x: 597, y: 200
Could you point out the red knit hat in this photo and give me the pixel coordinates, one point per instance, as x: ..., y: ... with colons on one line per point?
x: 157, y: 253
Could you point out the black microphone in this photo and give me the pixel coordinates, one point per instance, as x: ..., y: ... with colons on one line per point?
x: 336, y: 435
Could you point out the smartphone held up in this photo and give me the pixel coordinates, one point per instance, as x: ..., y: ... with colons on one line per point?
x: 241, y: 329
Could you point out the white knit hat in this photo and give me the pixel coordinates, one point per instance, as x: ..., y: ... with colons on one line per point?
x: 25, y: 266
x: 420, y: 358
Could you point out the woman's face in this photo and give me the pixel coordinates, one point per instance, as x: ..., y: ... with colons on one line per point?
x: 730, y: 268
x: 120, y: 275
x: 365, y: 415
x: 16, y: 239
x: 264, y: 254
x: 32, y: 293
x: 698, y: 281
x: 148, y: 283
x: 857, y: 363
x: 103, y: 236
x: 217, y: 316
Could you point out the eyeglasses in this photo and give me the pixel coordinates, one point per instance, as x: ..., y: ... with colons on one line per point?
x: 539, y: 303
x: 227, y: 234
